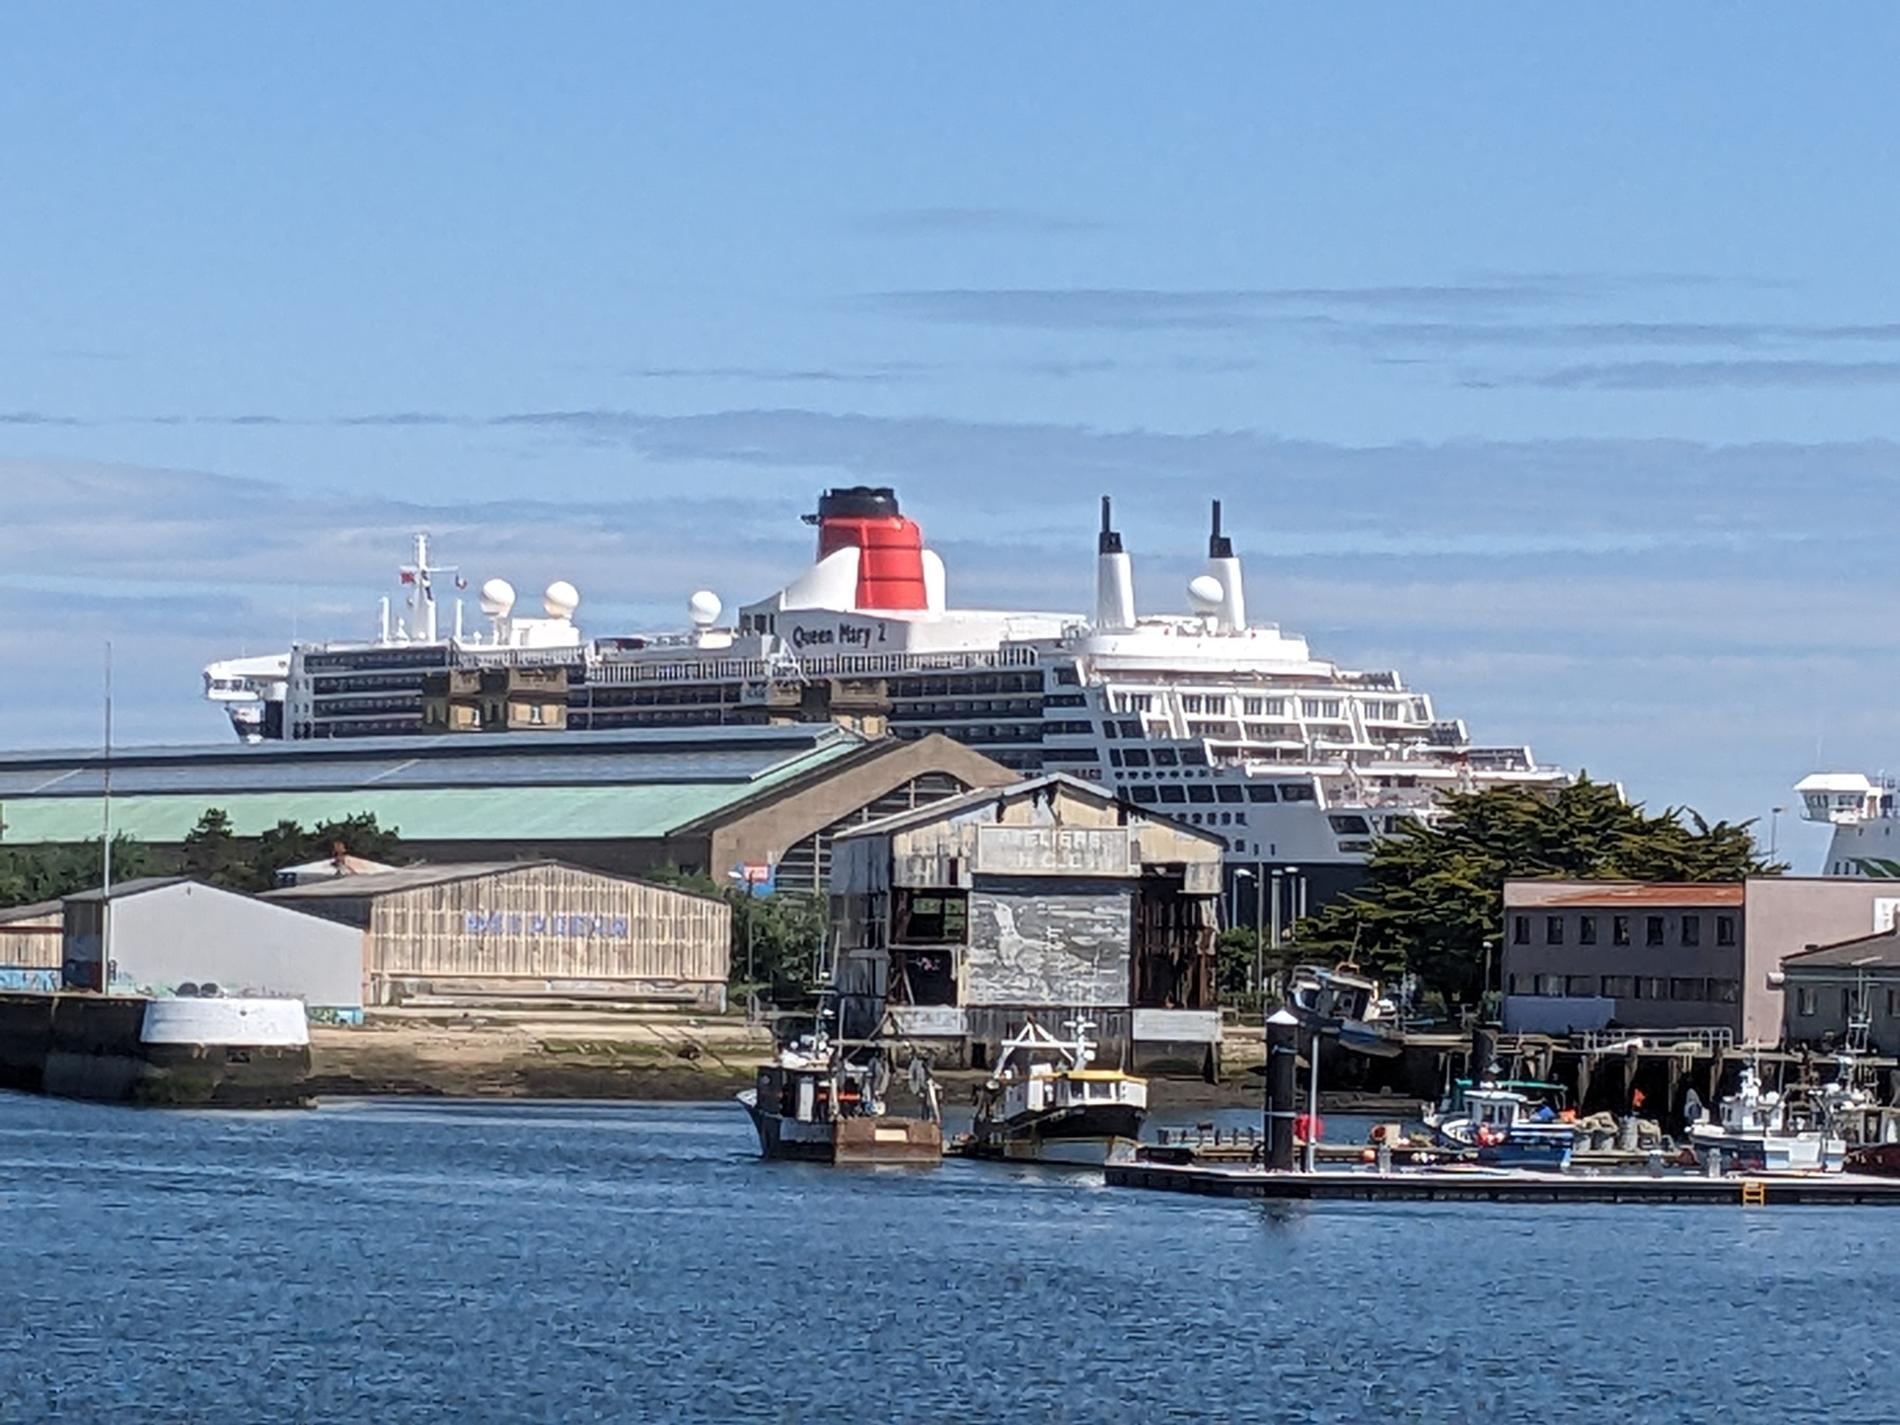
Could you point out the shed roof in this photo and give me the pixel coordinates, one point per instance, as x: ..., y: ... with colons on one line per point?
x: 410, y: 878
x: 1659, y: 895
x: 137, y: 886
x: 1016, y: 791
x: 1864, y: 952
x: 618, y: 808
x: 37, y: 910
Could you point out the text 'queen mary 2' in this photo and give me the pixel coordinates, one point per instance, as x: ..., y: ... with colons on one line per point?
x: 1233, y: 726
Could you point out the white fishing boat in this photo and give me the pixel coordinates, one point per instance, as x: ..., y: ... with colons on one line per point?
x: 1758, y: 1129
x: 1048, y: 1103
x: 1348, y: 1004
x: 816, y: 1104
x: 1503, y: 1126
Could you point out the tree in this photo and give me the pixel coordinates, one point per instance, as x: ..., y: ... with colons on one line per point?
x: 1433, y: 897
x: 780, y: 937
x: 288, y: 844
x: 211, y: 852
x: 48, y: 872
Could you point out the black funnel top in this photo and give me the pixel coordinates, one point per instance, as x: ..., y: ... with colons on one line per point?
x: 856, y: 502
x: 1108, y: 542
x: 1219, y: 546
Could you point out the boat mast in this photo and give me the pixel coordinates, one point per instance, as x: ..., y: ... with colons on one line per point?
x: 105, y: 897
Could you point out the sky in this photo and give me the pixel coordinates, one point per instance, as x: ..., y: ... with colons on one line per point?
x: 1548, y: 356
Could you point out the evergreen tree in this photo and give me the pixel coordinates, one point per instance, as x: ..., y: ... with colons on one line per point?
x: 212, y: 853
x: 1434, y: 895
x: 45, y: 873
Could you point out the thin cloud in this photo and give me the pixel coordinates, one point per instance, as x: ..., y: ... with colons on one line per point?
x: 1703, y: 375
x: 1608, y: 334
x: 789, y: 375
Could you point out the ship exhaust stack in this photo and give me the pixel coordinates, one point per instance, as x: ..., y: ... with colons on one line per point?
x: 1231, y: 616
x: 891, y: 561
x: 1114, y: 579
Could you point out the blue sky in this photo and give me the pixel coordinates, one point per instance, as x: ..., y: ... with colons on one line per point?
x: 1548, y: 356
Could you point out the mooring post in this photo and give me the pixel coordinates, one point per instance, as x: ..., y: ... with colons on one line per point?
x: 1484, y: 1054
x: 1282, y: 1052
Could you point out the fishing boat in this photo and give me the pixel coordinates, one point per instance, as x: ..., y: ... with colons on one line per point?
x: 815, y: 1103
x: 1348, y: 1004
x: 1046, y: 1103
x: 1503, y: 1126
x: 1758, y: 1129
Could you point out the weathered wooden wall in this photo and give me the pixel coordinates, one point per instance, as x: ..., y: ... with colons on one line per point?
x: 1051, y: 944
x: 550, y: 922
x: 32, y: 944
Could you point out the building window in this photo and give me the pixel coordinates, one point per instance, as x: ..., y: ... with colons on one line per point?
x: 1520, y: 930
x: 1652, y: 987
x: 1692, y: 930
x: 1619, y: 987
x: 1581, y: 986
x: 1725, y: 991
x: 1653, y: 932
x: 1586, y: 930
x: 1619, y: 930
x: 1550, y: 986
x: 1521, y: 985
x: 1893, y: 1004
x: 930, y: 917
x: 1688, y: 987
x: 1804, y: 1002
x: 1553, y: 930
x: 1725, y: 930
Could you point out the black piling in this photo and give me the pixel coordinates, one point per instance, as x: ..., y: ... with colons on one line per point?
x: 1282, y: 1053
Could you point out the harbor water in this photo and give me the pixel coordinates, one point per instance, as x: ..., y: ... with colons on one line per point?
x: 419, y: 1261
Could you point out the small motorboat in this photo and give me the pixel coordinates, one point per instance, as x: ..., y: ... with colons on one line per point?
x: 1048, y: 1103
x: 1504, y: 1127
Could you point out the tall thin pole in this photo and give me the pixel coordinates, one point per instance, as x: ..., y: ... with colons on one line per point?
x: 1259, y: 910
x: 105, y: 898
x: 1312, y: 1102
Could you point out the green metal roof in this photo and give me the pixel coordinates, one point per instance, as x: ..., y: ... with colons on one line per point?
x: 509, y: 813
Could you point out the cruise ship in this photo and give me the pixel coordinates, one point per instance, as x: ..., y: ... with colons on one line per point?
x: 1233, y: 725
x: 1861, y: 810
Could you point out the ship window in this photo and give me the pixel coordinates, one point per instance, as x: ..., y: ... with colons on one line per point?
x: 1228, y: 792
x: 1164, y: 757
x: 1804, y: 1002
x: 1725, y: 930
x: 1692, y: 930
x: 1145, y: 795
x: 1619, y: 987
x: 1296, y: 792
x: 1171, y: 793
x: 1553, y: 930
x: 1253, y: 707
x: 1131, y: 729
x: 1350, y: 825
x: 1586, y: 930
x: 1619, y: 930
x: 1261, y: 792
x: 1581, y: 986
x: 1653, y: 931
x: 1200, y: 794
x: 1520, y: 930
x: 1134, y: 757
x: 1108, y: 730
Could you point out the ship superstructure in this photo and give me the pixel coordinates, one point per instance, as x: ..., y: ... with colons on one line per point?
x: 1231, y: 725
x: 1862, y: 811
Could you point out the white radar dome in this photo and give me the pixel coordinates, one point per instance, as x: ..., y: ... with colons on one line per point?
x: 498, y: 597
x: 703, y: 608
x: 1205, y: 593
x: 561, y: 599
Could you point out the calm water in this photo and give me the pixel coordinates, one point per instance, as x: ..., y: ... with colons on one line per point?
x: 409, y: 1261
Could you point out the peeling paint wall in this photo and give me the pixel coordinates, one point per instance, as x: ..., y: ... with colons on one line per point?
x: 1048, y: 946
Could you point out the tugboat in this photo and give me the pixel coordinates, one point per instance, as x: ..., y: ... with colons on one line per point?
x: 1760, y: 1130
x: 817, y: 1104
x: 1045, y: 1104
x: 1503, y: 1126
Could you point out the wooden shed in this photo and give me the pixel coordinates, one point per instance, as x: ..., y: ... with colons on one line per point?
x: 527, y: 929
x: 31, y: 937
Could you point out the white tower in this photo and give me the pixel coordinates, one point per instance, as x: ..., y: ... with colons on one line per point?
x: 1114, y: 579
x: 1231, y: 617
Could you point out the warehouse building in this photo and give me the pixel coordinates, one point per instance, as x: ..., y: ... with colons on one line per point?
x: 1828, y: 990
x: 766, y: 801
x: 170, y: 934
x: 1048, y: 898
x: 1672, y: 957
x: 526, y: 930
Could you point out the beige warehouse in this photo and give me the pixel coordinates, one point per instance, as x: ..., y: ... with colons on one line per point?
x: 527, y: 930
